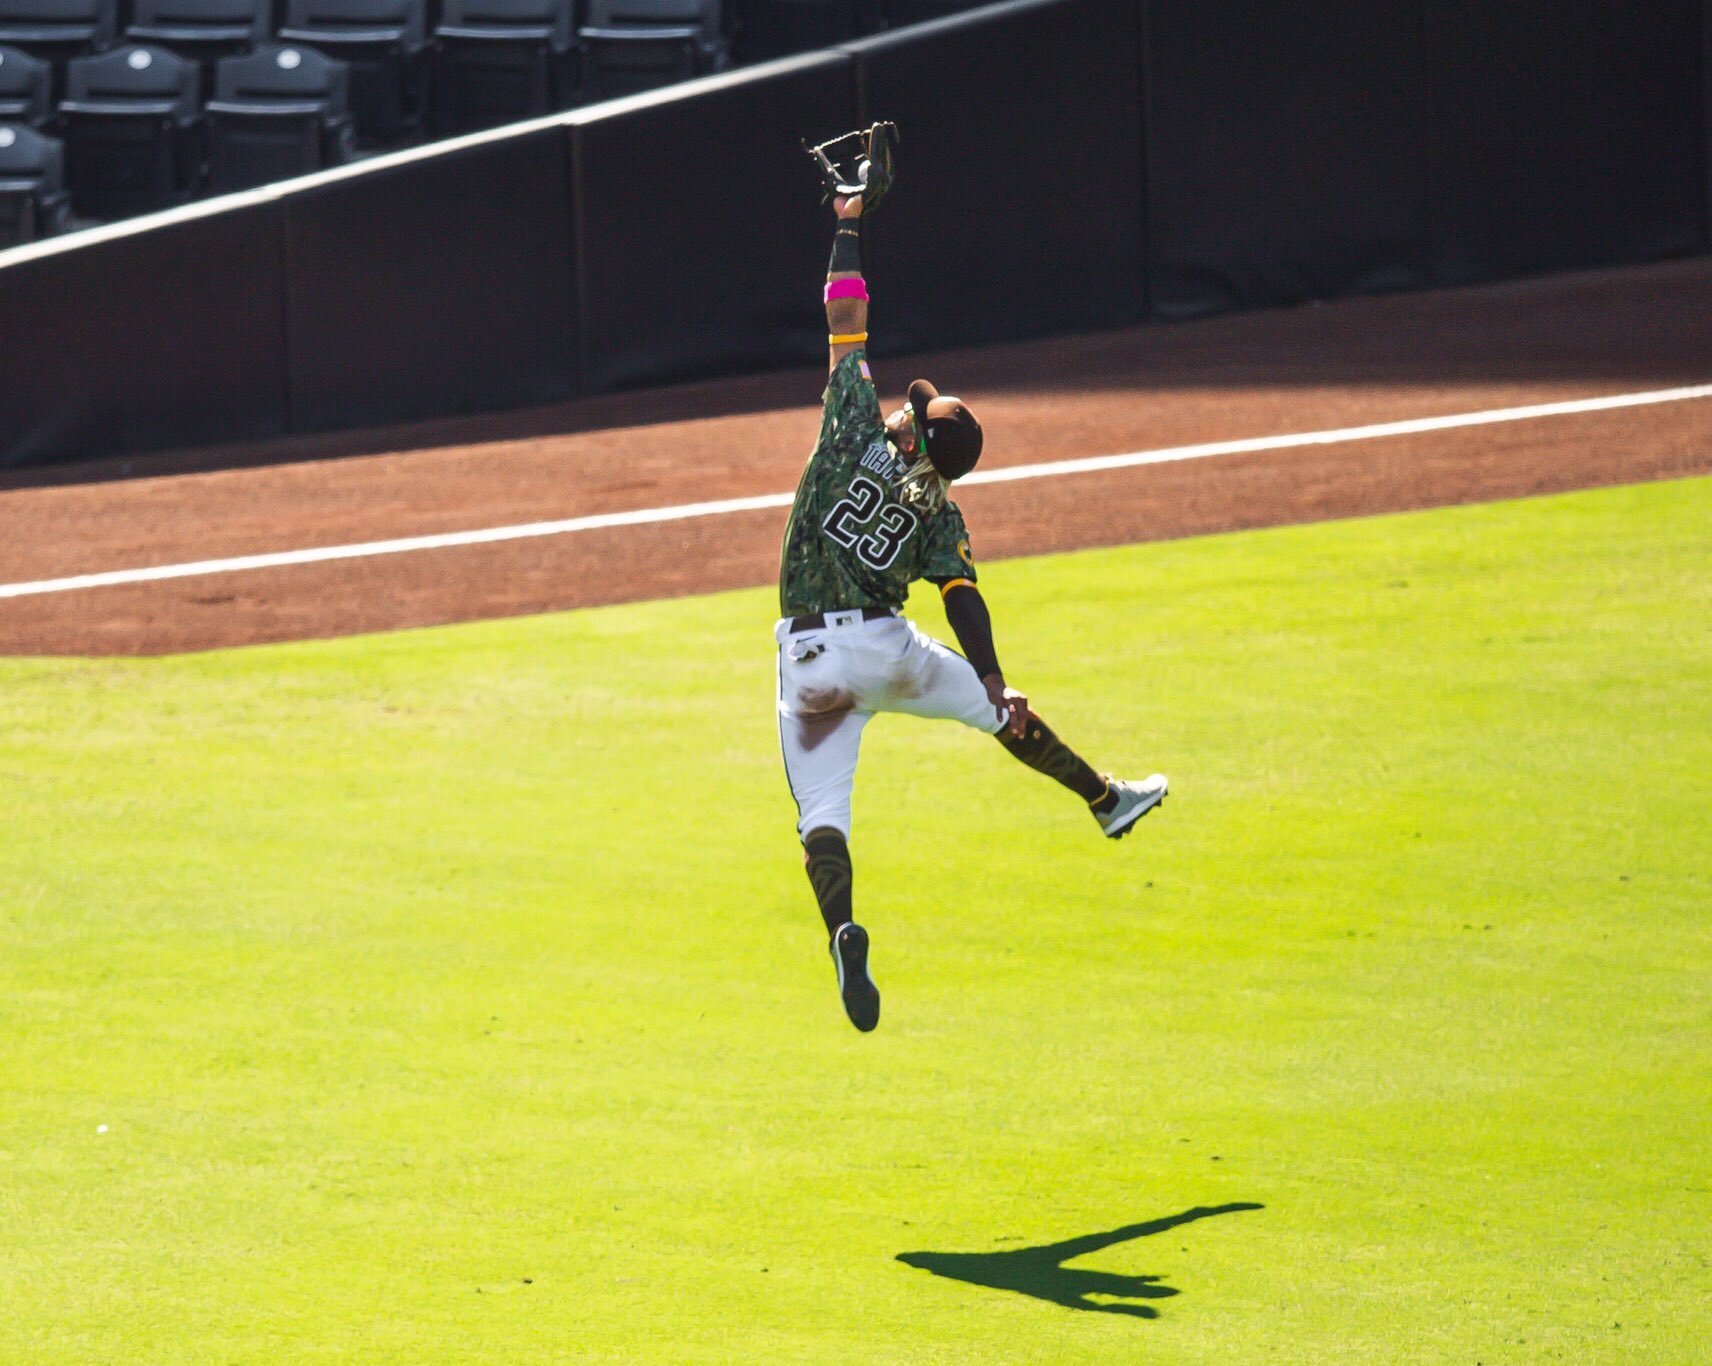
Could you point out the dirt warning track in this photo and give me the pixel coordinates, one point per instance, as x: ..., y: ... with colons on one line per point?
x: 601, y: 473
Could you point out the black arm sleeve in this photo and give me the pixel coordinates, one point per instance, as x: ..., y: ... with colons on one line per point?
x: 846, y: 247
x: 966, y: 610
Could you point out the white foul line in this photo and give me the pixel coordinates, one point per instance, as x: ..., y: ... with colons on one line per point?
x: 689, y: 511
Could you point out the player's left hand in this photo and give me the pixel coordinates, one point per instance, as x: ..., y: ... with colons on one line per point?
x: 1008, y: 700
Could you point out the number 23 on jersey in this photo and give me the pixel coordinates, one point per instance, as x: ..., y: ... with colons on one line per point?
x: 852, y: 523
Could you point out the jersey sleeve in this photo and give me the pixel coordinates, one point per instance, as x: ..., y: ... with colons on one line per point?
x: 851, y: 405
x: 947, y: 555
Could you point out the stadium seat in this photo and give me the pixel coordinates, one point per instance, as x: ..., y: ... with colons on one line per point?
x: 779, y: 28
x: 133, y: 131
x: 502, y: 60
x: 26, y: 88
x: 385, y: 43
x: 204, y: 29
x: 632, y: 45
x: 276, y: 113
x: 59, y: 28
x: 33, y: 201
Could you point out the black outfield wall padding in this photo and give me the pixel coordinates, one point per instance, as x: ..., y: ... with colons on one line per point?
x: 1065, y: 165
x: 1706, y: 113
x: 1286, y: 152
x: 170, y: 335
x: 1566, y: 134
x: 701, y: 241
x: 1018, y: 209
x: 438, y: 285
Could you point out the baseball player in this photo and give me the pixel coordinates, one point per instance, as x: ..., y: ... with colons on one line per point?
x: 870, y: 517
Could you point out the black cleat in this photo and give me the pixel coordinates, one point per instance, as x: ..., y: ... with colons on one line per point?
x: 849, y: 950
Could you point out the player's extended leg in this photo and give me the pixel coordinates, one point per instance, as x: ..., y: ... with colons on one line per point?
x: 940, y: 682
x: 820, y: 734
x: 820, y: 762
x: 1116, y: 805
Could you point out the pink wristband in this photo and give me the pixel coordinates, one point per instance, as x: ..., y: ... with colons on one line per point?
x: 854, y: 288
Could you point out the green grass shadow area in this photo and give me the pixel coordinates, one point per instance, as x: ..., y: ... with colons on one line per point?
x: 457, y: 995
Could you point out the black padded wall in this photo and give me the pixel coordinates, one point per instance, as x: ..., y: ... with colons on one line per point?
x: 1564, y: 134
x: 1286, y: 152
x: 1706, y: 113
x: 702, y: 243
x: 441, y: 284
x: 172, y: 335
x: 677, y: 234
x: 1018, y: 210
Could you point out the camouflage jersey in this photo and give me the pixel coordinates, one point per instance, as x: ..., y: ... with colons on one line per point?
x: 851, y: 540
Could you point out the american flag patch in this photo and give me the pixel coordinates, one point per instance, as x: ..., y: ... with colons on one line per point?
x: 867, y: 374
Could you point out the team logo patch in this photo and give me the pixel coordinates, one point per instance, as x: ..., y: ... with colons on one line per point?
x: 963, y: 553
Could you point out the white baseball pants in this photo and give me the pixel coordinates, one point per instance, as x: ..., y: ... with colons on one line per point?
x: 834, y: 678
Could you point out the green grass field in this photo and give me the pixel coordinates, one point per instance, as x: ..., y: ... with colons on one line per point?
x: 457, y: 995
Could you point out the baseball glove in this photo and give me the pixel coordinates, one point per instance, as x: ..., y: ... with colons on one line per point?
x: 866, y: 166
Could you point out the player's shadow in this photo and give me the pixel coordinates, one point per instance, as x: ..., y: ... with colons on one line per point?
x: 1040, y: 1271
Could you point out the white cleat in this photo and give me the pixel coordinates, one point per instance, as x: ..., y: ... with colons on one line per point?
x: 1135, y: 800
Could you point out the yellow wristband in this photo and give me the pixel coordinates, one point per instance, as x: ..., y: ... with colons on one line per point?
x: 847, y: 338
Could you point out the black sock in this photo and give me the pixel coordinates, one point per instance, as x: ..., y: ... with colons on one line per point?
x: 827, y: 858
x: 1045, y: 753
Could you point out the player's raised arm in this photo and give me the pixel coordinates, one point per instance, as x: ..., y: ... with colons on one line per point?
x: 852, y: 191
x: 846, y: 292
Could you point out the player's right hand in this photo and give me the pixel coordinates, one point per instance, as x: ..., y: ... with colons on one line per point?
x: 847, y: 206
x: 1009, y: 703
